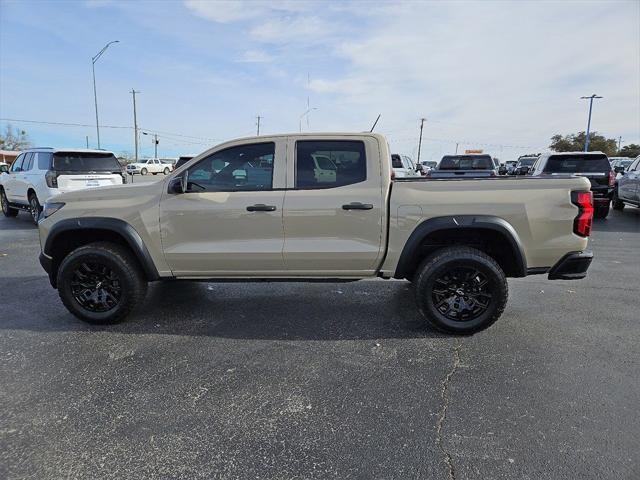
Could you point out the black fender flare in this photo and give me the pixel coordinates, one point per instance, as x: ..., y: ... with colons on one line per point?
x: 461, y: 222
x: 125, y: 230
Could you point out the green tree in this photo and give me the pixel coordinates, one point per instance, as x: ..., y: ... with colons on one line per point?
x: 575, y: 143
x: 632, y: 150
x: 14, y: 139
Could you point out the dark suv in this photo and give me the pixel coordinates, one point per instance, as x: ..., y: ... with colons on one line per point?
x: 593, y: 165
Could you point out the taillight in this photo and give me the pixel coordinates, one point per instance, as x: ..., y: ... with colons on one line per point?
x: 612, y: 179
x: 583, y: 222
x: 52, y: 179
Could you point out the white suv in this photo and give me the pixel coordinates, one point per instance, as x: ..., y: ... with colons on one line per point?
x: 40, y: 173
x: 153, y: 165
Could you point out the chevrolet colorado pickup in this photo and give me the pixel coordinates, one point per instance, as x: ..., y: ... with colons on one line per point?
x: 255, y: 209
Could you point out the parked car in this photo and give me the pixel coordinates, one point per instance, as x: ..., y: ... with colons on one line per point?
x: 152, y: 165
x: 619, y: 165
x: 40, y: 173
x: 428, y: 165
x: 593, y: 165
x: 182, y: 160
x: 464, y: 166
x: 627, y: 190
x: 524, y: 165
x: 457, y: 242
x: 511, y: 166
x: 403, y: 166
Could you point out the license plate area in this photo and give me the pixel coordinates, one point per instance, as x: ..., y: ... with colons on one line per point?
x: 92, y: 183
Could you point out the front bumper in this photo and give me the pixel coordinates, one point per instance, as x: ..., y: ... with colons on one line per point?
x: 573, y: 266
x: 47, y: 265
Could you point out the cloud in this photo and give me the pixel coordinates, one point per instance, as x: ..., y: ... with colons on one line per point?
x: 227, y: 11
x: 256, y: 56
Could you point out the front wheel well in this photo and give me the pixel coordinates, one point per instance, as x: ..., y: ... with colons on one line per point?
x: 494, y: 243
x: 66, y: 242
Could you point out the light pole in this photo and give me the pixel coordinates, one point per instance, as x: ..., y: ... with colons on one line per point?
x: 155, y: 143
x: 95, y: 95
x: 586, y: 142
x: 309, y: 110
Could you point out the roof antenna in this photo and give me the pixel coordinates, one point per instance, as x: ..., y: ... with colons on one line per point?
x: 375, y: 123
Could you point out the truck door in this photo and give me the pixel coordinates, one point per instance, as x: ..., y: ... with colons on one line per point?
x: 334, y: 225
x: 229, y: 221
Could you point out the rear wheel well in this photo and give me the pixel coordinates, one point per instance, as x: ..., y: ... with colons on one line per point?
x: 30, y: 192
x: 67, y: 241
x: 492, y: 242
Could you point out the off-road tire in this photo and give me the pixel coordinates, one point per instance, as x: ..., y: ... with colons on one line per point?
x: 6, y: 209
x: 617, y: 204
x: 436, y: 265
x: 121, y: 262
x: 166, y: 171
x: 601, y: 212
x: 34, y: 208
x: 144, y: 171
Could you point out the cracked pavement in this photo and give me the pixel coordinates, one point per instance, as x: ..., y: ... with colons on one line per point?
x: 323, y: 380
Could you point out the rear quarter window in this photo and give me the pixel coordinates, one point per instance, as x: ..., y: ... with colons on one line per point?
x: 577, y: 164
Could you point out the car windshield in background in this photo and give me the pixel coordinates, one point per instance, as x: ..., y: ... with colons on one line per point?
x: 85, y: 162
x: 577, y: 164
x: 466, y: 162
x: 528, y: 162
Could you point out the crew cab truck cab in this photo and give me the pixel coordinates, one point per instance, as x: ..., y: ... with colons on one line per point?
x: 255, y: 209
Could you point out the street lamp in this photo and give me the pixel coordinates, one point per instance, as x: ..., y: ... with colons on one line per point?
x: 586, y: 143
x: 155, y: 143
x: 309, y: 110
x: 95, y: 95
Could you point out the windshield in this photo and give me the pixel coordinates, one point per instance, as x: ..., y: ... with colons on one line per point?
x: 466, y: 162
x: 85, y: 162
x: 527, y: 162
x: 577, y: 164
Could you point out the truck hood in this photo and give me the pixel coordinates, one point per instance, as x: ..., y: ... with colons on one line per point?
x: 127, y: 191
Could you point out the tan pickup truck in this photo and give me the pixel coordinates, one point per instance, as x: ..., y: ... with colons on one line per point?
x: 262, y: 208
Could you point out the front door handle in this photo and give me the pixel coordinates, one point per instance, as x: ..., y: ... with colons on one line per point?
x: 261, y: 207
x: 357, y: 206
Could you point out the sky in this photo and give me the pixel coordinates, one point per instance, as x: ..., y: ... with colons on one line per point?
x: 495, y: 75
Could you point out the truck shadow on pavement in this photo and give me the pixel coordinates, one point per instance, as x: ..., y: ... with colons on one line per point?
x: 254, y: 311
x: 21, y: 222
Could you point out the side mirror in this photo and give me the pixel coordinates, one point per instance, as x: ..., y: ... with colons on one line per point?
x: 178, y: 185
x: 618, y: 169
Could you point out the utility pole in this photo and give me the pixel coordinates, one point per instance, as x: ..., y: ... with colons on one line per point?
x: 155, y: 145
x: 420, y: 142
x: 87, y: 138
x: 258, y: 134
x: 456, y: 148
x: 135, y: 122
x: 619, y: 143
x: 586, y: 142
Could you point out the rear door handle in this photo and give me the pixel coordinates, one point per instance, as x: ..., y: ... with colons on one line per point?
x: 261, y: 207
x: 357, y: 206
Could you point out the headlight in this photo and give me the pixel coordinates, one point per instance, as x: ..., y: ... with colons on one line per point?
x: 50, y: 208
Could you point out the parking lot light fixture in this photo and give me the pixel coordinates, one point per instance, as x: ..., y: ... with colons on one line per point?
x: 94, y: 59
x: 309, y: 110
x: 590, y: 98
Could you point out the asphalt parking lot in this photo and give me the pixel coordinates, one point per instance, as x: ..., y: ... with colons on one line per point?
x: 323, y: 380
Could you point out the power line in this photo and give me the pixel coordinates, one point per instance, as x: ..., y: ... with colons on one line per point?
x: 61, y: 123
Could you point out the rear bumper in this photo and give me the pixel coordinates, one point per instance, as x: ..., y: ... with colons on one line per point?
x: 573, y: 266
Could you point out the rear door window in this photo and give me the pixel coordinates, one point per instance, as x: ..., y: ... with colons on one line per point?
x: 28, y: 162
x: 577, y: 164
x: 85, y: 162
x: 329, y: 163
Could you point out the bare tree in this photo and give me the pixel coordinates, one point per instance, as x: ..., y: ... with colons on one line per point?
x: 14, y: 139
